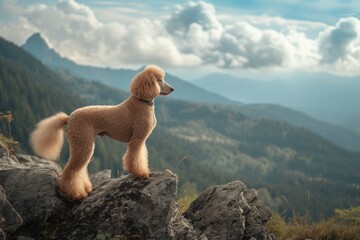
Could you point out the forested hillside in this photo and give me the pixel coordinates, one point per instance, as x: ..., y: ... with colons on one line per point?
x: 295, y: 169
x: 30, y: 90
x: 341, y: 136
x: 322, y: 95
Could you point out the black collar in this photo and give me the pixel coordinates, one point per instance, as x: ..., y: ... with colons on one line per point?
x: 148, y: 102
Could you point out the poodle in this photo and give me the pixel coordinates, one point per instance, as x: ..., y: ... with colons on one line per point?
x: 132, y: 121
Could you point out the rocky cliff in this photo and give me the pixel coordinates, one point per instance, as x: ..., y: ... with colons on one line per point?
x: 121, y: 208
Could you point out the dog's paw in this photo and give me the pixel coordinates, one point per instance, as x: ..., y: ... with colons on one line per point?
x: 141, y: 175
x: 73, y: 195
x: 78, y: 196
x: 88, y: 187
x: 75, y: 187
x: 144, y: 176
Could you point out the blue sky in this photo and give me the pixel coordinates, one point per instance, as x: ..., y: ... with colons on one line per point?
x: 195, y: 36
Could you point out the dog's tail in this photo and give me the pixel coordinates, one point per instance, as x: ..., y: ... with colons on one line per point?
x: 48, y: 137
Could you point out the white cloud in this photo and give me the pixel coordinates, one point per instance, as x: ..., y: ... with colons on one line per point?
x: 196, y: 29
x: 339, y: 46
x: 254, y: 47
x: 200, y: 13
x: 73, y: 30
x: 340, y: 42
x: 192, y: 35
x: 147, y: 41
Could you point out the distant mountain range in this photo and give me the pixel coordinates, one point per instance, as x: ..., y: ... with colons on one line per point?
x: 324, y: 96
x: 204, y: 144
x: 340, y: 135
x: 220, y: 83
x: 119, y: 78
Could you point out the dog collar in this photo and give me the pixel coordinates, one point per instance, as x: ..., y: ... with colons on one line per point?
x: 148, y: 102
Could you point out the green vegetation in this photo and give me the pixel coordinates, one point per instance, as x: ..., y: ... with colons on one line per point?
x: 297, y: 171
x: 351, y: 216
x: 186, y: 196
x: 30, y: 91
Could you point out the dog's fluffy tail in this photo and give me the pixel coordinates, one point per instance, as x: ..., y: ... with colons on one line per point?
x: 48, y: 137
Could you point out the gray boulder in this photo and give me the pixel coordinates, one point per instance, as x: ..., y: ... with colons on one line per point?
x: 30, y: 186
x: 10, y: 220
x: 124, y: 207
x: 128, y: 207
x: 229, y: 211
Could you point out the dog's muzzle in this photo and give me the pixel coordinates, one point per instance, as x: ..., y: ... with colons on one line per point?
x: 166, y: 88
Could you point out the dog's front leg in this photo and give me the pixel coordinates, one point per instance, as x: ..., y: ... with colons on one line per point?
x: 135, y: 159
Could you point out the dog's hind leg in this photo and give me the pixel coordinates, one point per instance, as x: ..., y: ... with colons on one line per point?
x: 74, y: 179
x: 135, y: 159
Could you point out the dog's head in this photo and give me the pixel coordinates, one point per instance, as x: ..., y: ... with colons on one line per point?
x: 150, y: 83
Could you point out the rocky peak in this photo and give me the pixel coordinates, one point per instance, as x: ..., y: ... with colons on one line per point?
x: 37, y: 43
x: 121, y: 208
x: 38, y: 47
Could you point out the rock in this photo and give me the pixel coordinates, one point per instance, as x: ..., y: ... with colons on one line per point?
x: 30, y: 187
x: 228, y: 212
x: 183, y: 229
x: 10, y: 220
x: 125, y: 207
x: 128, y: 207
x: 99, y: 178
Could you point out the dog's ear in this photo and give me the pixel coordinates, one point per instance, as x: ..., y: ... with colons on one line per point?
x: 144, y: 85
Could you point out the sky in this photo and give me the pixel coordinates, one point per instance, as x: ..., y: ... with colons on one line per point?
x: 192, y: 38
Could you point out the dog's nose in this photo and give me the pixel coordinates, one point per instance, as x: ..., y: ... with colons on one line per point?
x: 172, y: 89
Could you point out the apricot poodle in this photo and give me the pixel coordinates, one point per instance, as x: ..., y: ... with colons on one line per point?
x: 132, y: 121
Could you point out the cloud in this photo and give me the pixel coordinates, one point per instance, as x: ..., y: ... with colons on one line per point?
x: 199, y: 13
x: 193, y: 34
x: 264, y: 42
x: 196, y: 29
x: 340, y: 42
x: 73, y: 30
x: 339, y: 47
x: 254, y: 47
x: 147, y: 41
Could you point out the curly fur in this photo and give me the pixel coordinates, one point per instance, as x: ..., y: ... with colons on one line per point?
x: 132, y: 121
x: 48, y: 137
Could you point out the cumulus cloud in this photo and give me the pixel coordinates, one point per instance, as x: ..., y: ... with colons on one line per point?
x: 191, y: 35
x: 339, y: 47
x: 184, y: 16
x: 340, y: 42
x: 256, y: 48
x: 196, y: 29
x: 73, y: 30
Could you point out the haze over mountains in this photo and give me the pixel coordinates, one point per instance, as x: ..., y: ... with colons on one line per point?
x: 248, y: 90
x: 327, y: 97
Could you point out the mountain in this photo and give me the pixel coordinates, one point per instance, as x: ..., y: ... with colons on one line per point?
x: 323, y: 96
x: 339, y: 135
x: 354, y: 123
x: 203, y: 144
x: 119, y: 78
